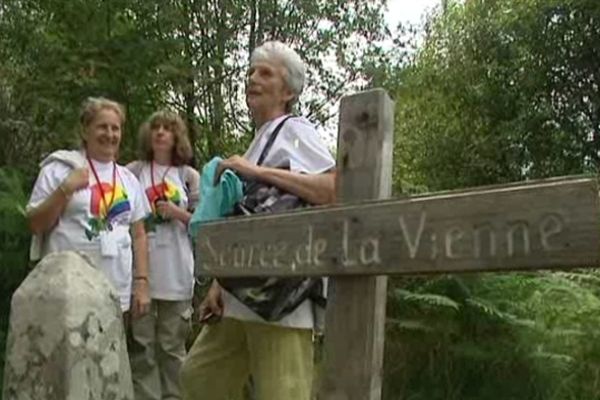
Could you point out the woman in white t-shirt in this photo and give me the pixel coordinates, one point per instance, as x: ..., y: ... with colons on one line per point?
x: 84, y: 201
x: 278, y: 354
x: 171, y: 188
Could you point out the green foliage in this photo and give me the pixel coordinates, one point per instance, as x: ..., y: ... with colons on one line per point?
x: 425, y: 299
x: 14, y: 246
x: 186, y: 54
x: 510, y: 336
x: 499, y: 91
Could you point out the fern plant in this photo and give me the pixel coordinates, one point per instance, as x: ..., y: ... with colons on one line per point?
x: 506, y: 336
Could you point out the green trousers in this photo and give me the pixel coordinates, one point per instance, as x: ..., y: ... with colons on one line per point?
x: 157, y: 349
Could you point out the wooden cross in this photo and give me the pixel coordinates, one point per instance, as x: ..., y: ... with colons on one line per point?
x: 551, y: 223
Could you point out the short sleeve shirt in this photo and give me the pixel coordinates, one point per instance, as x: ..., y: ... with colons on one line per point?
x: 298, y: 148
x: 100, y: 213
x: 171, y: 258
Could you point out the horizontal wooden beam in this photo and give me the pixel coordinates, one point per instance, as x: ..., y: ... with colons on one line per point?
x: 545, y: 224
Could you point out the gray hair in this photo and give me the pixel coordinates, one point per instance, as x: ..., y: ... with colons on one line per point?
x: 291, y: 61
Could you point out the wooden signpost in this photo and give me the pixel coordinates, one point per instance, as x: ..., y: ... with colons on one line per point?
x: 546, y: 224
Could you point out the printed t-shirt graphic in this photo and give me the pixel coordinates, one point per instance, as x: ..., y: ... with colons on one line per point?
x: 165, y: 190
x: 105, y: 211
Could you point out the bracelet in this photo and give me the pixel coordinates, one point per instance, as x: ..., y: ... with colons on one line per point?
x: 145, y: 278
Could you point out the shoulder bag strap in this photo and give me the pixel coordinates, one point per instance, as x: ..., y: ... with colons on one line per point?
x: 272, y: 138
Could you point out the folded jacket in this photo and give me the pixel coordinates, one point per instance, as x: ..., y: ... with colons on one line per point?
x: 216, y: 200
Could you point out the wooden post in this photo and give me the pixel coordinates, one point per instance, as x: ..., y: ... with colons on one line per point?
x: 355, y: 321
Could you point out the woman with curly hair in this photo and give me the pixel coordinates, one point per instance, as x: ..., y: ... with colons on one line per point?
x: 171, y: 187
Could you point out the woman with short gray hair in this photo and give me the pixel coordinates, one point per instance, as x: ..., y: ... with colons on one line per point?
x: 295, y: 72
x: 277, y: 351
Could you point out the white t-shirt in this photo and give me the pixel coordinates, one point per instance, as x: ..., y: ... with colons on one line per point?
x: 83, y: 224
x: 299, y: 148
x: 171, y: 258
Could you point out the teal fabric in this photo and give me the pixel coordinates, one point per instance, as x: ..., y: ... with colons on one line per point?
x: 217, y: 200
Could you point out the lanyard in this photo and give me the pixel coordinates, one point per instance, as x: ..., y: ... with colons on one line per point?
x: 114, y: 189
x: 154, y: 189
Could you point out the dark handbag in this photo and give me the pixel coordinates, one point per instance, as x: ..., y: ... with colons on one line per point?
x: 271, y: 298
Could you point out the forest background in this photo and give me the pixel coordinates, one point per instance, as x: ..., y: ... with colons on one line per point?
x: 485, y: 91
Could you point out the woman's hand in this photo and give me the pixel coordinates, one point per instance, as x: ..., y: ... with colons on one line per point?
x: 238, y: 164
x: 141, y: 298
x: 167, y: 210
x: 211, y: 308
x: 77, y: 179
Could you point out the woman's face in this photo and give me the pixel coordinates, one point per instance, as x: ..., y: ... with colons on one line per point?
x: 103, y: 135
x: 162, y: 137
x: 266, y: 89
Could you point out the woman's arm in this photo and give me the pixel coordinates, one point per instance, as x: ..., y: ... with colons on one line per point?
x: 141, y: 292
x: 43, y: 217
x: 192, y: 181
x: 316, y: 189
x: 169, y: 210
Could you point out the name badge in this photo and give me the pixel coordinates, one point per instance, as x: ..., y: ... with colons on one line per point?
x: 108, y: 244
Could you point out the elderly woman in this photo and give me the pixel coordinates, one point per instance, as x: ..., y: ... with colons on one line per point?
x: 277, y: 354
x: 84, y: 201
x: 172, y: 189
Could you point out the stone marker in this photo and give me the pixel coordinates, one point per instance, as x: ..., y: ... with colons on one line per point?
x: 66, y: 338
